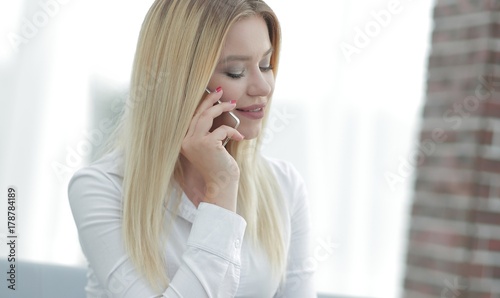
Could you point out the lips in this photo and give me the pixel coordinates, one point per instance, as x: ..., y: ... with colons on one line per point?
x: 252, y: 108
x: 252, y: 112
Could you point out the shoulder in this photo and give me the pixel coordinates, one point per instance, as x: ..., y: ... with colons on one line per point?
x: 285, y: 172
x: 107, y: 169
x: 100, y: 182
x: 292, y: 184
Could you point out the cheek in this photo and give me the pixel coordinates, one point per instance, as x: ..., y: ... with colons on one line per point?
x: 233, y: 90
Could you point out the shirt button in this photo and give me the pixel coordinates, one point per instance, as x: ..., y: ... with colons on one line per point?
x: 237, y: 243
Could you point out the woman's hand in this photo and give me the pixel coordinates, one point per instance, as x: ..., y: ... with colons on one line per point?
x: 206, y: 153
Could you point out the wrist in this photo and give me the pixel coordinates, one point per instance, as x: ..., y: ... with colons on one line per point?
x: 222, y: 194
x: 222, y: 181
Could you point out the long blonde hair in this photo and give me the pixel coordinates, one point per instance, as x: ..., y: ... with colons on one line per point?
x: 178, y: 49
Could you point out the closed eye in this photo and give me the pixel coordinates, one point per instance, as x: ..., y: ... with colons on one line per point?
x: 266, y: 68
x: 235, y: 75
x: 242, y: 74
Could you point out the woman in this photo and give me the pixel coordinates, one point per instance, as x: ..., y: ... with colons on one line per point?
x: 170, y: 211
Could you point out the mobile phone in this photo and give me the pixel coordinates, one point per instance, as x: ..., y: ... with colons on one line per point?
x: 236, y: 120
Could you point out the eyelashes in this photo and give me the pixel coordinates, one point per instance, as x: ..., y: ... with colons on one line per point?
x: 266, y: 68
x: 235, y: 75
x: 242, y: 74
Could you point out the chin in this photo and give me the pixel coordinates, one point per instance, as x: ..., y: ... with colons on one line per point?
x: 250, y: 132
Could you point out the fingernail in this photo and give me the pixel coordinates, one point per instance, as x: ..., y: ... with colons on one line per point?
x: 219, y: 89
x: 233, y: 102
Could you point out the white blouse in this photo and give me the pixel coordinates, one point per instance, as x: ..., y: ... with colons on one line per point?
x: 206, y: 254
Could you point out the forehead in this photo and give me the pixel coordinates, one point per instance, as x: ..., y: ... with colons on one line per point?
x: 248, y: 36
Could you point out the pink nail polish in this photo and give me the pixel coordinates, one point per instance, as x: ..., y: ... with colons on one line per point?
x: 233, y: 102
x: 219, y: 89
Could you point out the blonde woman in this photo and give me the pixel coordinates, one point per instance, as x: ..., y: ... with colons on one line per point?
x: 171, y: 211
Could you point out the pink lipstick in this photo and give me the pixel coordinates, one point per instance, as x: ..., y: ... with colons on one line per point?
x: 253, y: 112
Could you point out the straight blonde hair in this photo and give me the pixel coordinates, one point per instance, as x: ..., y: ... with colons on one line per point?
x: 178, y: 49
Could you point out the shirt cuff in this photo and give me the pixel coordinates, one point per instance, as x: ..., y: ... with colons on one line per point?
x: 218, y: 231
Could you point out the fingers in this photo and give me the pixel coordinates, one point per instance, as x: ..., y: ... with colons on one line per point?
x: 224, y: 131
x: 208, y: 102
x: 203, y: 120
x: 217, y: 110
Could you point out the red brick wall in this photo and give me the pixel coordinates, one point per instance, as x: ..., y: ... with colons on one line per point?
x: 454, y: 237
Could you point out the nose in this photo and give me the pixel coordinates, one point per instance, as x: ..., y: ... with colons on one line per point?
x: 261, y: 83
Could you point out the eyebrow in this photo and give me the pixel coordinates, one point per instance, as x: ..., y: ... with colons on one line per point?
x: 243, y: 58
